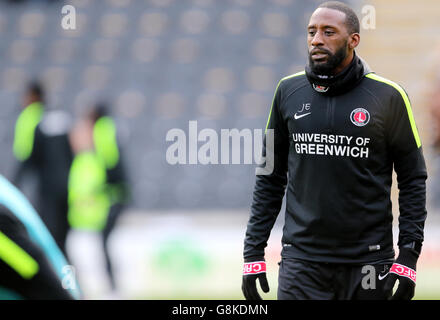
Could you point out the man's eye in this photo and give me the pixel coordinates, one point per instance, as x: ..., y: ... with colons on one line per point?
x: 312, y: 33
x: 329, y: 33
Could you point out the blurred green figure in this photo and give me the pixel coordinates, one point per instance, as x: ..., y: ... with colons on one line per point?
x: 97, y: 185
x: 28, y: 121
x: 42, y: 148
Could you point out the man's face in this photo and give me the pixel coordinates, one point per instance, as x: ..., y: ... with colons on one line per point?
x: 327, y: 39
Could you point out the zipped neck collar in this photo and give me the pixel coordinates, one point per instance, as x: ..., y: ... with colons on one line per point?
x: 344, y: 81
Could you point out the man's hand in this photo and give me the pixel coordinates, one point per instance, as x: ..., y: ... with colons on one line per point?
x: 251, y: 272
x: 403, y: 269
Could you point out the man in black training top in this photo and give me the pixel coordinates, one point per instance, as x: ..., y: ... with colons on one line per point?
x: 338, y: 131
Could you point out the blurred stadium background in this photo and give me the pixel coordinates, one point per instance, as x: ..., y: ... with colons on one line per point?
x: 161, y: 63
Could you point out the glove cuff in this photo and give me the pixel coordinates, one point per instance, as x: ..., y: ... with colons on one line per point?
x: 256, y: 267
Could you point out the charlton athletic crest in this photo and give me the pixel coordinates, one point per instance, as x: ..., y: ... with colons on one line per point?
x: 360, y: 117
x: 320, y: 88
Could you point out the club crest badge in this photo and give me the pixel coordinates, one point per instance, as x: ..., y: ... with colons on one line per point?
x: 320, y: 88
x: 360, y: 117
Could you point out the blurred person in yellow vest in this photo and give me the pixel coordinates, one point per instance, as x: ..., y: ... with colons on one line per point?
x: 434, y: 105
x: 98, y: 190
x: 28, y: 120
x: 42, y: 149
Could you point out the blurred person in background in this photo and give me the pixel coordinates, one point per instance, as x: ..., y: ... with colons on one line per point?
x: 434, y: 98
x: 98, y: 188
x: 339, y: 131
x: 31, y: 264
x: 42, y: 148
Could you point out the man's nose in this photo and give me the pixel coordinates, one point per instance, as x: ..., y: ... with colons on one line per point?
x: 317, y: 39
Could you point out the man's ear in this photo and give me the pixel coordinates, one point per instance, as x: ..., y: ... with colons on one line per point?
x: 354, y: 40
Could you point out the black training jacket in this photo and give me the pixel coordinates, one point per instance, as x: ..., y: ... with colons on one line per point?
x: 336, y: 142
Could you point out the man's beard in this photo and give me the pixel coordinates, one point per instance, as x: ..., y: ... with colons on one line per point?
x: 333, y: 61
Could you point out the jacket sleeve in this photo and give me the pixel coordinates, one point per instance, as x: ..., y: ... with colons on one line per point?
x: 409, y: 165
x: 269, y: 187
x: 25, y: 268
